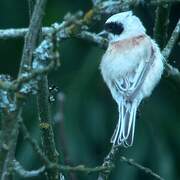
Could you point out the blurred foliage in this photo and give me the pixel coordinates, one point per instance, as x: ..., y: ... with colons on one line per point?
x: 89, y: 112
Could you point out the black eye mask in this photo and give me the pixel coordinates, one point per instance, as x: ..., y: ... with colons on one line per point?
x: 113, y: 27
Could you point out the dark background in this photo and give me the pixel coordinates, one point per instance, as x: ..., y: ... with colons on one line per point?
x: 88, y: 113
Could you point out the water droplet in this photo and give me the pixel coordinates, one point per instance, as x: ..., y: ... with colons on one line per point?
x: 53, y: 89
x: 51, y: 99
x: 174, y: 62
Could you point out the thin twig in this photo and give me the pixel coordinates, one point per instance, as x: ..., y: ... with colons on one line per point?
x: 108, y: 161
x: 31, y: 4
x: 9, y: 151
x: 146, y: 170
x: 52, y: 165
x: 173, y: 39
x: 34, y: 144
x: 16, y: 84
x: 155, y: 2
x: 161, y: 23
x: 82, y: 168
x: 171, y: 71
x: 19, y: 169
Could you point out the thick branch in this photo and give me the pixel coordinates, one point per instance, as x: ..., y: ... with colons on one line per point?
x: 32, y: 35
x: 19, y: 33
x: 48, y: 143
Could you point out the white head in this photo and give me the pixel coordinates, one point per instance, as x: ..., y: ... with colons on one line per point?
x: 124, y: 25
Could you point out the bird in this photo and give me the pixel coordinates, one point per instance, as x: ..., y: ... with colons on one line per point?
x: 131, y: 67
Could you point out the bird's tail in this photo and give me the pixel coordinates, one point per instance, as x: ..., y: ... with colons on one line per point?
x: 124, y: 132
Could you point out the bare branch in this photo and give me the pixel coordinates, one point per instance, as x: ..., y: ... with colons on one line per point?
x: 45, y: 121
x: 173, y: 73
x: 51, y: 165
x: 108, y: 161
x: 82, y: 168
x: 174, y: 37
x: 146, y: 170
x: 155, y: 2
x: 92, y: 37
x: 19, y: 33
x: 32, y: 35
x: 19, y: 169
x: 10, y: 129
x: 31, y: 4
x: 161, y: 23
x: 34, y: 145
x: 15, y: 86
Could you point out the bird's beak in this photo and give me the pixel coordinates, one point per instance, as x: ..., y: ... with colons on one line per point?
x: 103, y: 34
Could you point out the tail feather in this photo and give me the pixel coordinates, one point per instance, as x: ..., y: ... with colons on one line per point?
x: 124, y: 132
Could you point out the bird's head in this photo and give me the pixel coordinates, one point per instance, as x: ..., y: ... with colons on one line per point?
x: 123, y: 25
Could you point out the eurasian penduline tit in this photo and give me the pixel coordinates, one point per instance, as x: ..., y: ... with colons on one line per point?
x: 131, y: 67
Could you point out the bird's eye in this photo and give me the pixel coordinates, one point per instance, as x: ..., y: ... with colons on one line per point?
x: 115, y: 28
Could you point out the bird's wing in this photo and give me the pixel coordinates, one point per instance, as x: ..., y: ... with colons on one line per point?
x: 126, y: 89
x: 129, y: 85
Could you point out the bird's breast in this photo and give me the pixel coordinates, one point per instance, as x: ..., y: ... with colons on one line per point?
x: 122, y: 57
x: 124, y: 61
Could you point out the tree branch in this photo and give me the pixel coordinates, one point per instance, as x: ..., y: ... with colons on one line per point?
x: 173, y: 39
x: 146, y: 170
x: 11, y: 119
x: 18, y: 168
x: 19, y: 33
x: 48, y: 143
x: 108, y: 161
x: 155, y: 2
x: 52, y: 165
x: 85, y: 35
x: 171, y: 71
x: 99, y: 41
x: 161, y: 23
x: 32, y: 35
